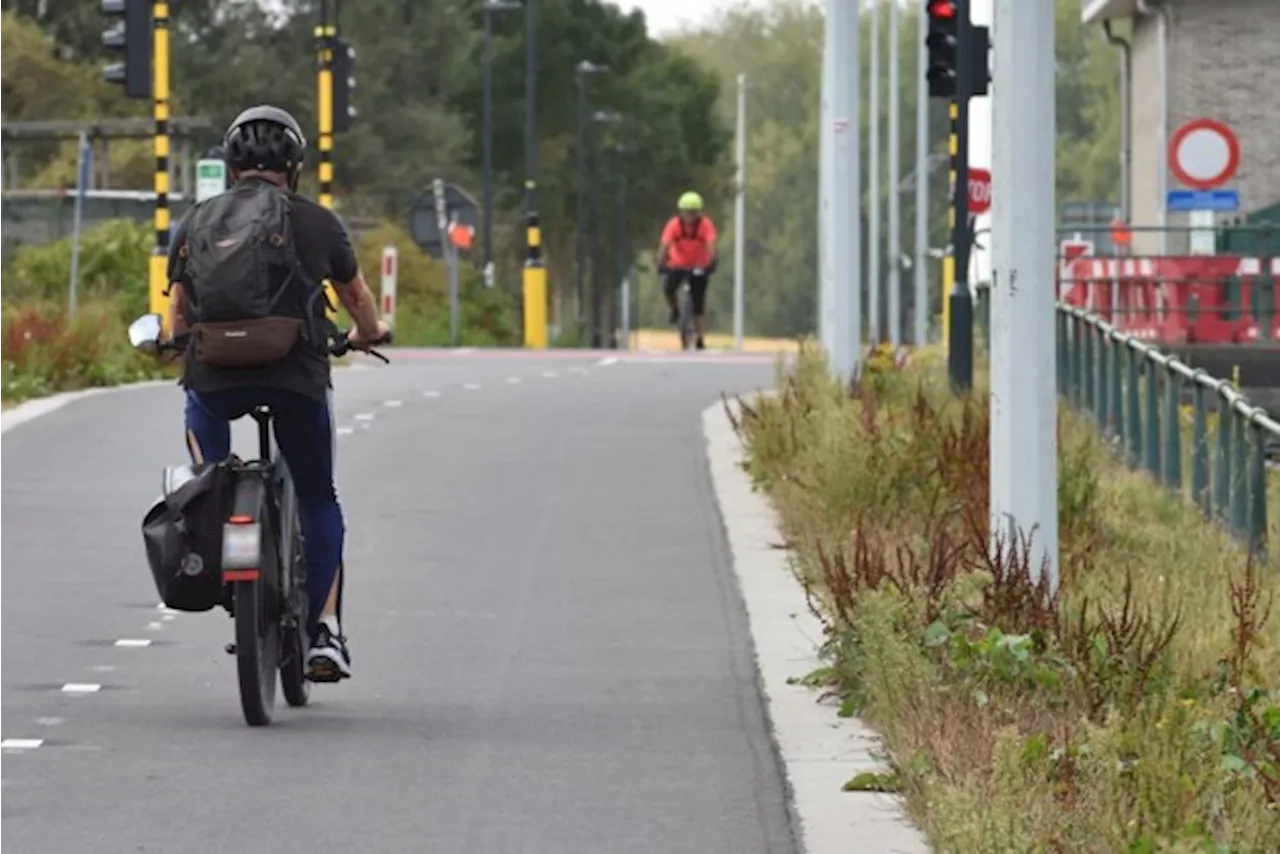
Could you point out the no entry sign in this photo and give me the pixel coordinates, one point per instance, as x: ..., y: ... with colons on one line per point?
x: 979, y: 190
x: 1204, y: 154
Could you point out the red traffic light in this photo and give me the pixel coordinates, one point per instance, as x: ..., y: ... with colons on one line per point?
x: 941, y: 9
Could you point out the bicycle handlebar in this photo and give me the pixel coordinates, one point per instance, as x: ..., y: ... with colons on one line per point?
x: 339, y: 345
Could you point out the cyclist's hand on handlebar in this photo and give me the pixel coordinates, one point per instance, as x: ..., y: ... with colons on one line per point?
x: 360, y: 342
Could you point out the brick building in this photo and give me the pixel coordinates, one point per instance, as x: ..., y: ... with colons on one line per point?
x: 1215, y: 59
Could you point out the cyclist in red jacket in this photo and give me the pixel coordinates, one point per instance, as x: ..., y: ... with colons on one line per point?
x: 688, y: 250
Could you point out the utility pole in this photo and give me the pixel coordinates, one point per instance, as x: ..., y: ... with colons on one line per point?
x: 826, y: 322
x: 1024, y: 472
x: 843, y: 243
x: 895, y: 194
x: 581, y: 72
x: 874, y: 281
x: 920, y: 268
x: 739, y: 215
x: 486, y: 143
x: 490, y: 8
x: 535, y: 275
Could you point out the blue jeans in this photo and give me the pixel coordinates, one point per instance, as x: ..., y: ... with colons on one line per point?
x: 305, y: 434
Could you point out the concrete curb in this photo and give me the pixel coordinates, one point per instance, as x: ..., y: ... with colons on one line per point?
x: 36, y: 407
x: 819, y: 751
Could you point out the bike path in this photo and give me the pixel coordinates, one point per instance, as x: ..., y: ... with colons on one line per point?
x: 550, y: 653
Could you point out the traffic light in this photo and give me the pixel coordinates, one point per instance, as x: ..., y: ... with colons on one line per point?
x: 131, y: 35
x: 344, y: 83
x: 942, y: 40
x: 981, y: 41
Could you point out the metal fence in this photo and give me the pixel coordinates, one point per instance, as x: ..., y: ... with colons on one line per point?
x: 1137, y: 395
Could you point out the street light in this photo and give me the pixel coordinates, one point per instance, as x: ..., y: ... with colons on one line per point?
x: 621, y: 260
x: 490, y: 8
x: 599, y: 117
x: 581, y: 72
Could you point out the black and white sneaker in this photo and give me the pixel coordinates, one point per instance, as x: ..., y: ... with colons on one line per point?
x: 328, y: 660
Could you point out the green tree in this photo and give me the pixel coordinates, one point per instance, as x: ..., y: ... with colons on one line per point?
x: 779, y: 46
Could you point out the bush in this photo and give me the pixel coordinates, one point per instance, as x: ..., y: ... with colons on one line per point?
x: 1134, y: 711
x: 487, y: 317
x: 45, y: 351
x: 114, y: 259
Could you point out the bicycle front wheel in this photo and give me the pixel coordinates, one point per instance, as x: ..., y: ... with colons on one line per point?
x: 687, y: 332
x: 293, y: 652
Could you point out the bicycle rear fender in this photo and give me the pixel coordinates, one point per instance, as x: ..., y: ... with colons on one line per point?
x: 242, y: 535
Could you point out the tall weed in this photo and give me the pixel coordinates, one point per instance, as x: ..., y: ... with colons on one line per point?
x: 1131, y: 711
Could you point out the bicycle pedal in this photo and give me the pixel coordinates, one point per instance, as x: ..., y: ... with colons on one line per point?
x: 230, y: 649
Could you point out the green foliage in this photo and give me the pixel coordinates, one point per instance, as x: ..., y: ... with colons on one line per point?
x: 487, y: 316
x: 778, y: 45
x: 113, y: 267
x: 418, y: 69
x: 45, y: 351
x: 1133, y: 710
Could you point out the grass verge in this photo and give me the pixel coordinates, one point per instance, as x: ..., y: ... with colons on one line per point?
x: 46, y: 351
x: 1134, y: 711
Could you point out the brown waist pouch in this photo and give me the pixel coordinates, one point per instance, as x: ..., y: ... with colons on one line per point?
x: 245, y: 343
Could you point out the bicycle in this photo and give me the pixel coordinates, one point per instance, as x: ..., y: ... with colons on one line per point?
x: 264, y: 572
x: 684, y: 306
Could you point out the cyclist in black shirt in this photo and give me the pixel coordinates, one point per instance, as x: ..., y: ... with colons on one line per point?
x: 266, y: 144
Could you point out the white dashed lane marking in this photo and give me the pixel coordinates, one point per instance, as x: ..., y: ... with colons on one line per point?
x: 431, y: 394
x: 393, y: 403
x: 133, y: 642
x: 472, y: 386
x: 345, y: 431
x: 550, y: 374
x: 607, y: 361
x: 81, y: 688
x: 20, y: 743
x: 154, y: 626
x: 364, y: 416
x: 513, y: 380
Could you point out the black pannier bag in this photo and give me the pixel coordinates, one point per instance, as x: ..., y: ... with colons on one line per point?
x: 183, y: 535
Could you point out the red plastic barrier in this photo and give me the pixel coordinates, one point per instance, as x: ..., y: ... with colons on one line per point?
x: 1175, y: 300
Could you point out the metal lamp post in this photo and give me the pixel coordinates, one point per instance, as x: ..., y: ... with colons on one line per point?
x: 599, y: 117
x: 490, y: 8
x: 581, y: 72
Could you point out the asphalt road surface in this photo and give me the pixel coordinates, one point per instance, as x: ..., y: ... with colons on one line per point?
x: 550, y: 653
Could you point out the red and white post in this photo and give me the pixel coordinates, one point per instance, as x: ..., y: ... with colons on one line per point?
x: 390, y: 267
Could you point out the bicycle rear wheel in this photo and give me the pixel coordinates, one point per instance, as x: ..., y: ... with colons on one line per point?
x: 249, y: 559
x: 257, y: 651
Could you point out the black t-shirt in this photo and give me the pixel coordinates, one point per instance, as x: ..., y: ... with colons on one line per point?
x: 324, y: 249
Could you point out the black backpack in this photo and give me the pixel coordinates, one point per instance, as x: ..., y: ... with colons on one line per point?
x: 249, y: 298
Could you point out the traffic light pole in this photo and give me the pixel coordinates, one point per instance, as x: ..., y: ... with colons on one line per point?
x: 960, y: 326
x: 326, y: 34
x: 326, y: 37
x: 159, y: 272
x: 535, y: 275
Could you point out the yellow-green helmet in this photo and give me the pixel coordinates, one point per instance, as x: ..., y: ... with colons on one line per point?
x: 690, y: 201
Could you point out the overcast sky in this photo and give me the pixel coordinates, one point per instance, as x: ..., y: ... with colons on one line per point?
x: 664, y: 16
